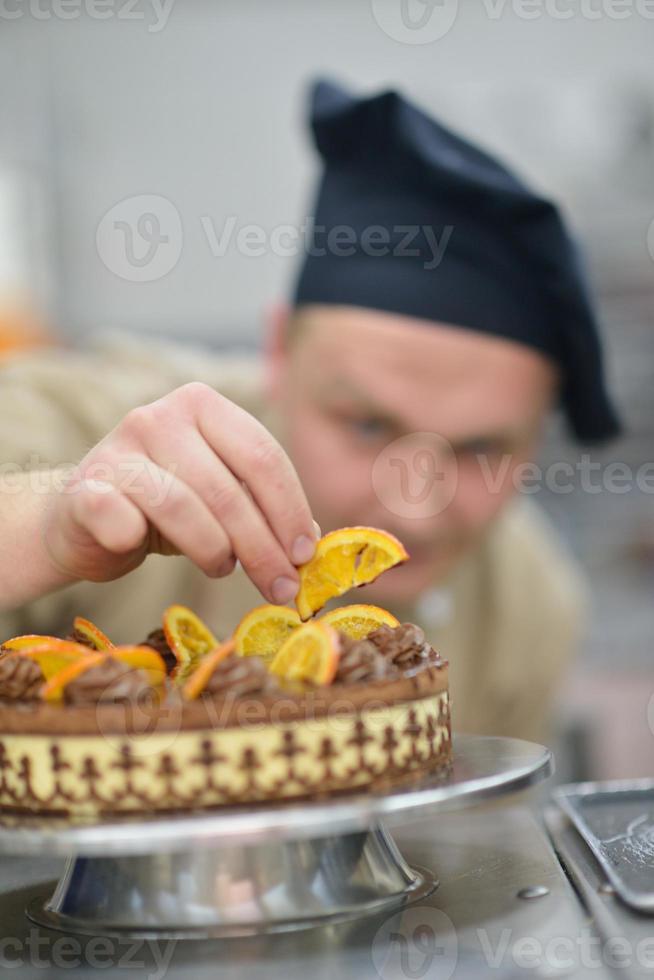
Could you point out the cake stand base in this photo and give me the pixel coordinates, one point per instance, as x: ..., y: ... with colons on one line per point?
x: 233, y: 891
x: 258, y: 869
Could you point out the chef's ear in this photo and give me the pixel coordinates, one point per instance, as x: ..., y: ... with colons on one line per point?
x: 275, y: 346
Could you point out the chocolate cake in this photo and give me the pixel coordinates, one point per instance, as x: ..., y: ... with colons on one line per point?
x: 117, y: 742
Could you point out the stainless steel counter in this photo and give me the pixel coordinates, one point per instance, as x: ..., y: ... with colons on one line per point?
x: 475, y: 924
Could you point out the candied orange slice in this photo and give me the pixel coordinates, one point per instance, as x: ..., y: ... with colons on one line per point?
x: 92, y: 633
x: 199, y: 679
x: 27, y: 641
x: 141, y: 657
x: 309, y: 654
x: 262, y: 631
x: 349, y: 557
x: 188, y: 637
x: 55, y: 655
x: 53, y: 690
x: 359, y: 619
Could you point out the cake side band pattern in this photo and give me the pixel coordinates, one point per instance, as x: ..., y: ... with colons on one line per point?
x: 212, y: 767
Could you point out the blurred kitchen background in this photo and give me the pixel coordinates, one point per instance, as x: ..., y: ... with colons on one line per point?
x: 200, y: 103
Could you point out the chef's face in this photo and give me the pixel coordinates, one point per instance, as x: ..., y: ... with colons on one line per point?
x: 412, y: 427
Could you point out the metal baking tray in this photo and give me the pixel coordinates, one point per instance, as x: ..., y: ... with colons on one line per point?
x: 616, y: 819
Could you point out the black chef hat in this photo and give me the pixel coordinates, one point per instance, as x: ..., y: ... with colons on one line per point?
x: 412, y: 219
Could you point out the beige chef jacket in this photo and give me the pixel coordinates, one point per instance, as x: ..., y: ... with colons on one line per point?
x: 507, y: 619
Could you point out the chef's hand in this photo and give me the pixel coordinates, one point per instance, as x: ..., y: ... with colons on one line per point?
x: 191, y: 474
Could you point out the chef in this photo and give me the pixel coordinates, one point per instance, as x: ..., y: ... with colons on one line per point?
x: 439, y: 314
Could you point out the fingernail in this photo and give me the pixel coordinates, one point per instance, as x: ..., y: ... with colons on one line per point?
x: 303, y: 549
x: 316, y: 527
x: 226, y: 568
x: 284, y: 589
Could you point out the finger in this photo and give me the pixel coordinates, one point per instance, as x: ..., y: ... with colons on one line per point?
x: 257, y: 458
x: 158, y: 545
x: 111, y: 519
x: 227, y: 568
x: 174, y: 509
x: 252, y: 541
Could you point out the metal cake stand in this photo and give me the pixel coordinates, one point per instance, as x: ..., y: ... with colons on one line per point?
x: 258, y: 869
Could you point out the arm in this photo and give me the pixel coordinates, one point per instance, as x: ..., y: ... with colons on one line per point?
x: 26, y: 571
x: 191, y: 473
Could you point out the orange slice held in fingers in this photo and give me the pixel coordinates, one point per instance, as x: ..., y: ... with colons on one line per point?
x: 358, y: 620
x: 92, y: 634
x: 188, y: 637
x: 262, y: 631
x: 199, y: 679
x: 346, y: 558
x: 309, y: 654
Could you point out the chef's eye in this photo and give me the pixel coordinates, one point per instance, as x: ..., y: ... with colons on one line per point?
x: 479, y: 447
x: 369, y: 427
